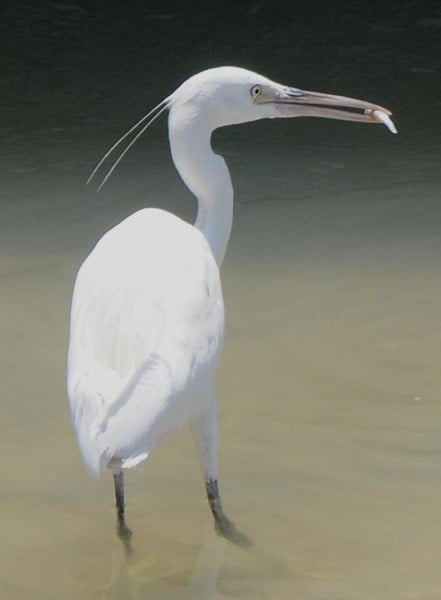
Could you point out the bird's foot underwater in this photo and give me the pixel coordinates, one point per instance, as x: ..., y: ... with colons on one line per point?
x: 227, y: 529
x: 125, y: 535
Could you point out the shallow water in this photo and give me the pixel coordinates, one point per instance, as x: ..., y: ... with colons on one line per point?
x: 329, y: 417
x: 328, y: 391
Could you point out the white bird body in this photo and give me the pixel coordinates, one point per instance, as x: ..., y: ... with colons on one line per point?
x: 146, y: 338
x: 147, y: 320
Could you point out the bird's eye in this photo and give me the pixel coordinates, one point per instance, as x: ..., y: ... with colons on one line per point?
x: 256, y: 91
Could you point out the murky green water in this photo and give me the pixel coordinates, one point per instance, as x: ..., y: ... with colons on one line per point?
x: 329, y: 390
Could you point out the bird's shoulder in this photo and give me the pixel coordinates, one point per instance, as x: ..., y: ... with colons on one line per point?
x: 153, y: 227
x: 150, y: 239
x: 153, y: 253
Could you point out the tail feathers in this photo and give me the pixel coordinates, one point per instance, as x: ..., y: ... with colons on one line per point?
x: 89, y: 397
x: 137, y: 416
x: 117, y: 422
x: 93, y: 456
x: 133, y: 461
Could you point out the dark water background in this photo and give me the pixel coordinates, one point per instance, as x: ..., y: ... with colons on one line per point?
x: 330, y: 386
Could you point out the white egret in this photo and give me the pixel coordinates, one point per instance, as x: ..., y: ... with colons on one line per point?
x: 147, y: 320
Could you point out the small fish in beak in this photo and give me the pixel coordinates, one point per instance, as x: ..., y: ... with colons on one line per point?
x: 382, y: 117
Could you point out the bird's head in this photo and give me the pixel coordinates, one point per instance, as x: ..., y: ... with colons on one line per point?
x: 229, y: 95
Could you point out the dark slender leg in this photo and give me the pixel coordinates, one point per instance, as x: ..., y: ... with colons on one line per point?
x: 222, y: 523
x: 124, y: 533
x: 204, y: 430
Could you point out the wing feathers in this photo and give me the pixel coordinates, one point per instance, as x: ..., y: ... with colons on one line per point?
x: 128, y: 426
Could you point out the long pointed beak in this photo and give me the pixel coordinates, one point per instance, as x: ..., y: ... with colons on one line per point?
x: 328, y: 106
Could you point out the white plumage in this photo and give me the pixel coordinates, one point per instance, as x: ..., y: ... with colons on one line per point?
x: 146, y: 336
x: 147, y: 320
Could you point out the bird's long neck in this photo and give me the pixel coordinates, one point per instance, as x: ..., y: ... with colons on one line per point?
x: 206, y: 175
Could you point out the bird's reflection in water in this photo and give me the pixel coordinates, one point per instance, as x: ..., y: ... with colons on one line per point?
x: 220, y: 570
